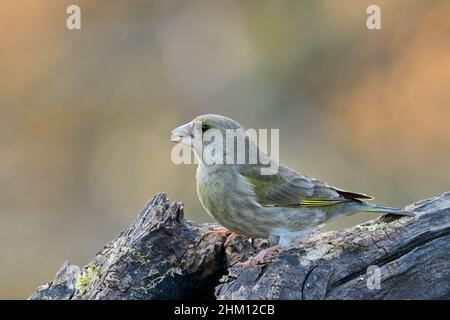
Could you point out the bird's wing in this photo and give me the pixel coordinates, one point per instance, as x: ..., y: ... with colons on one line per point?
x: 287, y: 188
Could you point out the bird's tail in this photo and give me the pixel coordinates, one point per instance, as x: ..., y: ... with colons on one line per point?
x: 380, y: 209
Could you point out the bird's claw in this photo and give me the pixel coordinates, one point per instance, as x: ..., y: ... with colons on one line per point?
x: 259, y: 258
x: 245, y: 264
x: 221, y: 231
x: 231, y: 237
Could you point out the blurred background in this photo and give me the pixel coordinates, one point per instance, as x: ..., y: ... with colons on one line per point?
x: 85, y: 115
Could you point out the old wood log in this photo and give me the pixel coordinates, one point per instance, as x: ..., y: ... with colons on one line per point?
x: 163, y: 256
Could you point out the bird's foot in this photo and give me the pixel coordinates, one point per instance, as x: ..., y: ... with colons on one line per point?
x: 259, y: 257
x: 222, y: 231
x: 231, y: 237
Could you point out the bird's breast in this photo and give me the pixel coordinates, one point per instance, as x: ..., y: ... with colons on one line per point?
x: 229, y: 199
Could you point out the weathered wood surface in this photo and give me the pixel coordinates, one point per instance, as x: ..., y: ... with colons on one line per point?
x: 162, y: 256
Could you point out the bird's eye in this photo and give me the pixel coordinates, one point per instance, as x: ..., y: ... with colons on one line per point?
x: 205, y: 127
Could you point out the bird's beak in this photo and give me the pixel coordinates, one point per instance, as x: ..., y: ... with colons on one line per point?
x: 183, y: 134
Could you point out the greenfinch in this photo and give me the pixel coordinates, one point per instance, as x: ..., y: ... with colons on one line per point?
x: 280, y: 207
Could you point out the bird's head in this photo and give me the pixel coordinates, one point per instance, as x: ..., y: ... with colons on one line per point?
x: 205, y: 130
x: 216, y: 139
x: 202, y: 125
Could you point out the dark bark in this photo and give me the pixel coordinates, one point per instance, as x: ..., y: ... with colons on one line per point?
x: 162, y: 256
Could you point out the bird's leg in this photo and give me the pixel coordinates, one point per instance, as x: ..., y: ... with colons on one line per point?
x: 259, y: 257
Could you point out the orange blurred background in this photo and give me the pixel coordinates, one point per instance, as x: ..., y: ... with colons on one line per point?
x: 85, y: 115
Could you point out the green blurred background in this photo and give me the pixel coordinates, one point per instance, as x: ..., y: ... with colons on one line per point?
x: 85, y: 115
